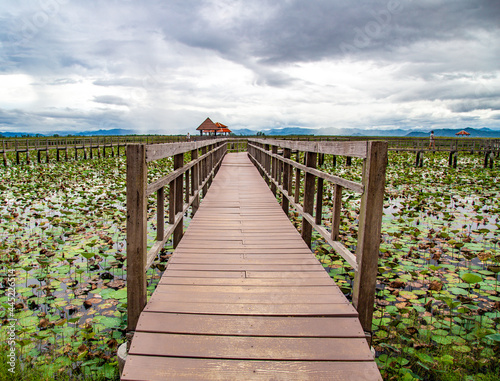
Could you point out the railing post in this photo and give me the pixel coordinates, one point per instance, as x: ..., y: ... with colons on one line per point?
x: 136, y: 232
x: 203, y: 168
x: 267, y: 163
x: 297, y: 180
x: 287, y: 180
x: 337, y: 207
x: 195, y: 181
x: 178, y: 163
x: 160, y: 214
x: 319, y: 202
x: 4, y: 154
x: 370, y: 221
x: 309, y: 185
x: 274, y: 169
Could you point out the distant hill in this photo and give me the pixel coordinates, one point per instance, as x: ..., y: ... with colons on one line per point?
x: 450, y: 133
x: 443, y: 132
x: 115, y: 132
x: 477, y: 133
x: 112, y: 132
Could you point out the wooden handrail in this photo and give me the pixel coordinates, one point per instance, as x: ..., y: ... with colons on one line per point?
x: 187, y: 182
x: 277, y: 170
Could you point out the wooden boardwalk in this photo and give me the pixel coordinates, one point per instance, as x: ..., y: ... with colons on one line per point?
x: 243, y: 298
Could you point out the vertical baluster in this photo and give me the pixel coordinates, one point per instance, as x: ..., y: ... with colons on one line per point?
x: 287, y: 181
x: 337, y: 206
x: 309, y: 187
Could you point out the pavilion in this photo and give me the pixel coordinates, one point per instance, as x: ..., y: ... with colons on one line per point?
x: 211, y: 128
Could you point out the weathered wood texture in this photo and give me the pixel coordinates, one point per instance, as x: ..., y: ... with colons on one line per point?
x: 85, y: 147
x: 243, y: 298
x: 374, y: 155
x: 182, y: 194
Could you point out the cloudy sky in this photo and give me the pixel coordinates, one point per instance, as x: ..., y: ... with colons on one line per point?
x: 164, y: 66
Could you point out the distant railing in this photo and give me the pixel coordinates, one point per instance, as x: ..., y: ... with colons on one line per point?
x: 78, y: 147
x: 186, y: 183
x: 277, y: 167
x: 237, y: 145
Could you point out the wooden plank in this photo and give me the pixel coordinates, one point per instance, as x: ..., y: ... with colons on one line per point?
x: 317, y: 290
x: 244, y: 250
x: 249, y: 267
x: 265, y: 326
x: 164, y: 296
x: 261, y: 309
x: 204, y: 274
x: 163, y: 368
x: 249, y: 282
x: 267, y: 260
x: 251, y: 348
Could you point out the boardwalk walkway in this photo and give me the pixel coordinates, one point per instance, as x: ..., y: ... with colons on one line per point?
x: 243, y: 298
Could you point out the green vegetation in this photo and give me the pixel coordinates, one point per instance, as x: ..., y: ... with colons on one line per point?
x: 437, y: 303
x: 62, y: 232
x: 438, y: 296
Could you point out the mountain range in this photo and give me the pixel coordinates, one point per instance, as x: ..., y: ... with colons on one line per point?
x: 443, y: 132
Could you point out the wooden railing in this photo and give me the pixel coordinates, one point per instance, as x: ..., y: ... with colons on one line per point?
x: 78, y: 147
x: 277, y: 167
x: 186, y: 183
x: 237, y: 145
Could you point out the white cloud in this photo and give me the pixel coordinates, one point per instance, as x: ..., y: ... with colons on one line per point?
x: 166, y: 66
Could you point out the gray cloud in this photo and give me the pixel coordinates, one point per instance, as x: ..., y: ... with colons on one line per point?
x: 111, y: 100
x: 253, y: 63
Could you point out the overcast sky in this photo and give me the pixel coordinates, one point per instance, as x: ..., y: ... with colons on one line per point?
x: 164, y: 66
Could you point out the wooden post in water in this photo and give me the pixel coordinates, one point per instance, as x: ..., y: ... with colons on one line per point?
x: 38, y: 152
x: 136, y: 232
x: 17, y: 154
x: 309, y: 185
x: 4, y: 154
x: 370, y: 221
x: 27, y: 151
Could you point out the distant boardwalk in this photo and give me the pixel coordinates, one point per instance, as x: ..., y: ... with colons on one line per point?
x: 243, y: 298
